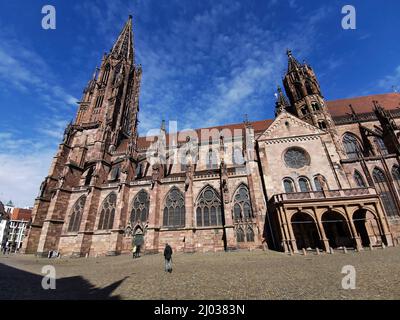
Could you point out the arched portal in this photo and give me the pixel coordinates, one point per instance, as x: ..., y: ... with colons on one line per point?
x: 337, y: 230
x: 305, y: 231
x: 138, y: 237
x: 367, y: 227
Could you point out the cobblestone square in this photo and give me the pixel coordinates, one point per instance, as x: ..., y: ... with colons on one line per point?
x: 234, y: 275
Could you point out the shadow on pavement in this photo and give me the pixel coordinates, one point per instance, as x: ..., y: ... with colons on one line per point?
x: 19, y: 284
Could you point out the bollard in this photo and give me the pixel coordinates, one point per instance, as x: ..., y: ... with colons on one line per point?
x: 331, y: 250
x: 87, y: 255
x: 371, y: 247
x: 383, y: 246
x: 317, y: 251
x: 344, y: 249
x: 304, y: 252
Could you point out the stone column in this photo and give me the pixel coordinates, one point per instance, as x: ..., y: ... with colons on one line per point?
x: 52, y: 225
x: 321, y: 230
x: 353, y: 229
x: 155, y: 220
x: 189, y: 245
x: 117, y: 233
x: 285, y: 240
x: 291, y: 233
x: 83, y: 241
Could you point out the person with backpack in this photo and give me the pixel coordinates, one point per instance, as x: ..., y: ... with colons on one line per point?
x: 168, y: 258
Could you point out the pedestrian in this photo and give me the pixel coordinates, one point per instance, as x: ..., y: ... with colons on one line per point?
x: 138, y: 251
x: 134, y: 252
x: 168, y: 258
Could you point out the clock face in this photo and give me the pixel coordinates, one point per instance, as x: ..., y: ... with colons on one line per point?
x: 296, y: 158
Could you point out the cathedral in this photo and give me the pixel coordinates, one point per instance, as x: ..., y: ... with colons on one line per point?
x: 321, y: 175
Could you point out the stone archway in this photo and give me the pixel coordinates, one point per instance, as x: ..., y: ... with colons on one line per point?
x: 138, y: 237
x: 337, y: 230
x: 305, y: 231
x: 367, y: 227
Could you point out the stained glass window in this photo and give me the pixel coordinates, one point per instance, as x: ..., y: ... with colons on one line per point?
x: 140, y: 208
x: 296, y: 158
x: 107, y: 212
x: 174, y: 209
x: 383, y: 190
x: 76, y: 215
x: 208, y: 211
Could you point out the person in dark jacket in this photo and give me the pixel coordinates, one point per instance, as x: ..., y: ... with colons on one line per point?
x: 168, y: 258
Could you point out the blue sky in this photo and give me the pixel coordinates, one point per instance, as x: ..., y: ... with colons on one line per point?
x: 204, y: 63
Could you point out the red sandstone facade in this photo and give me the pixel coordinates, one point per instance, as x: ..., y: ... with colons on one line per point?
x: 320, y: 175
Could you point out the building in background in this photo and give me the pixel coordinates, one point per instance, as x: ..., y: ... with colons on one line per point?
x: 13, y: 225
x: 322, y: 174
x: 4, y: 226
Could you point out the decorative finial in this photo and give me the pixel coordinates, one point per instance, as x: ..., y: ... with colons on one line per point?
x: 289, y: 53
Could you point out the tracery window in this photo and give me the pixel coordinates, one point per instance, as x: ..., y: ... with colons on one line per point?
x: 381, y: 145
x: 351, y: 146
x: 296, y: 158
x: 208, y: 208
x: 76, y: 216
x: 288, y: 184
x: 383, y: 190
x: 359, y: 180
x: 140, y: 208
x: 240, y: 235
x: 304, y: 184
x: 249, y: 234
x: 396, y: 177
x: 107, y: 212
x: 174, y: 209
x: 242, y: 205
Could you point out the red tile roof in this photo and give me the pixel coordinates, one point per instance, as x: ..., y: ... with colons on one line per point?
x: 361, y: 105
x: 21, y: 214
x: 337, y: 108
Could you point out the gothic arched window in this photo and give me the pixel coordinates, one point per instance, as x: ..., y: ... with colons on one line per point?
x: 317, y: 182
x: 382, y: 187
x: 174, y: 209
x: 76, y: 216
x: 242, y: 205
x: 304, y: 185
x: 315, y: 106
x: 140, y: 207
x: 288, y: 185
x: 208, y: 208
x: 249, y: 234
x: 396, y: 177
x: 381, y: 145
x: 107, y: 212
x: 106, y: 74
x: 359, y: 179
x: 309, y: 88
x: 240, y: 234
x: 351, y: 146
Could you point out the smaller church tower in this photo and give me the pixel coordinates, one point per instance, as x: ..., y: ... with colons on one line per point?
x: 305, y: 95
x: 306, y: 100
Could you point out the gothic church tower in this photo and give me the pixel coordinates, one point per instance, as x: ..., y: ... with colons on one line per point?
x: 86, y: 160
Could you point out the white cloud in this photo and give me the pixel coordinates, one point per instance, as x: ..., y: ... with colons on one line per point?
x: 391, y: 81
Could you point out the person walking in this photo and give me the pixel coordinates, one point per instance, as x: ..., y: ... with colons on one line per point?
x: 168, y: 258
x: 134, y: 252
x: 138, y: 251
